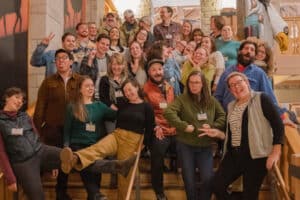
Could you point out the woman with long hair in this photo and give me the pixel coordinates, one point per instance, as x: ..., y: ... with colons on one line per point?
x: 84, y: 127
x: 199, y: 61
x: 136, y: 65
x: 134, y: 119
x: 186, y: 32
x: 215, y: 58
x: 197, y: 35
x: 189, y: 112
x: 115, y: 44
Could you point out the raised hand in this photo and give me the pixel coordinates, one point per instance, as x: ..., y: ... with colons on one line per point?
x: 47, y: 39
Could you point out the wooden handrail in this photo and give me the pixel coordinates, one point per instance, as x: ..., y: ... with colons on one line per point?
x: 280, y: 182
x: 135, y: 169
x: 293, y: 139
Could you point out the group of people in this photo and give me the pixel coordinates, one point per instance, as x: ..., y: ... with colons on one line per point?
x: 106, y: 92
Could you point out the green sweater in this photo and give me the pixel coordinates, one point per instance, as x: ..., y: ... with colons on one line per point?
x: 184, y: 111
x: 75, y: 131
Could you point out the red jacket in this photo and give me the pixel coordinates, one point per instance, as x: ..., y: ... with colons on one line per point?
x: 158, y: 101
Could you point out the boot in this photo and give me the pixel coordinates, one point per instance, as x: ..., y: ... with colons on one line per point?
x: 68, y: 159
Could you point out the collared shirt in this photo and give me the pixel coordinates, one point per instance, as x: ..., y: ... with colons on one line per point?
x: 167, y: 33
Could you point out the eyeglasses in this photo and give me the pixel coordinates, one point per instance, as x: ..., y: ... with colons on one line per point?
x: 61, y: 58
x: 237, y: 83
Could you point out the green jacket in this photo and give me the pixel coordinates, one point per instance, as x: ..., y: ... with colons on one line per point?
x: 184, y: 111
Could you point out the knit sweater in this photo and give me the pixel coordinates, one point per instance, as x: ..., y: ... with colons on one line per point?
x: 75, y: 131
x: 184, y: 111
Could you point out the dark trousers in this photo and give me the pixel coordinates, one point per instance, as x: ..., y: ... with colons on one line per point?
x: 28, y: 172
x: 235, y: 164
x: 158, y: 151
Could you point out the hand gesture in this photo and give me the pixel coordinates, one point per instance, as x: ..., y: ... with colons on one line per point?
x: 12, y: 187
x: 159, y: 133
x: 189, y: 128
x: 47, y: 39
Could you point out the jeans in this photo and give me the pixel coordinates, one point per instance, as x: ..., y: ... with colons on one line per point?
x: 196, y: 157
x: 28, y: 172
x: 158, y: 151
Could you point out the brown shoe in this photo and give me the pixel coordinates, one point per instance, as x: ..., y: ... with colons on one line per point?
x: 68, y: 159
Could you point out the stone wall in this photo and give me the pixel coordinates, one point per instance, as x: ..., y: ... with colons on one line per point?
x: 45, y: 17
x: 208, y: 9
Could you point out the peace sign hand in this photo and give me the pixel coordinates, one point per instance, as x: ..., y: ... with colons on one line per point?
x: 47, y: 39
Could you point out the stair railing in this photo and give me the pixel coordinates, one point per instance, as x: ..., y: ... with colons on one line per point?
x: 135, y: 174
x: 290, y: 162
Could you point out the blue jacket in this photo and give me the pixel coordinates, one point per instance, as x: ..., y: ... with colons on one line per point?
x: 258, y: 81
x: 173, y: 75
x: 41, y: 58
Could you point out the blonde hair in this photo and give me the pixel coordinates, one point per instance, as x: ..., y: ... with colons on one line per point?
x: 120, y: 60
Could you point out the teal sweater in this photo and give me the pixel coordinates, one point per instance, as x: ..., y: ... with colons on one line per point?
x: 229, y: 50
x: 75, y: 131
x: 183, y: 111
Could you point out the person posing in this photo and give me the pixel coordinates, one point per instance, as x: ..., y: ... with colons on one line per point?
x: 95, y: 63
x: 23, y: 157
x: 136, y: 65
x: 197, y: 35
x: 253, y: 139
x: 167, y: 29
x: 115, y: 44
x: 227, y: 46
x: 141, y: 37
x: 134, y: 119
x: 93, y: 31
x: 159, y: 94
x: 199, y: 62
x: 40, y: 57
x: 110, y: 86
x: 215, y: 58
x: 189, y: 112
x: 129, y: 28
x: 83, y: 127
x: 54, y: 94
x: 186, y: 32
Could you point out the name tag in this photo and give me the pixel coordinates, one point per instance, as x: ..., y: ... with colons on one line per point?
x: 17, y: 131
x: 90, y: 127
x: 225, y: 58
x: 102, y: 73
x: 168, y: 36
x: 119, y: 93
x: 163, y: 105
x: 172, y: 79
x: 202, y: 116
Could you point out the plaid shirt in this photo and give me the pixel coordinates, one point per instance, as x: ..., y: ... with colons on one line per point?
x: 167, y: 33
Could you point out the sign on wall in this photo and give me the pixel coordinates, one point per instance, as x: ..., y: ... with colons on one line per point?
x: 13, y: 44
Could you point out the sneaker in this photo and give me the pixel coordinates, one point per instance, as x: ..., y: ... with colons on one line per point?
x: 123, y: 167
x: 161, y: 196
x: 68, y: 159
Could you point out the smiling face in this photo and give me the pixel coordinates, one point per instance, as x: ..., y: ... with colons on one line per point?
x: 195, y: 84
x: 226, y: 33
x: 239, y: 87
x: 83, y: 31
x: 247, y: 54
x: 131, y: 92
x: 261, y: 53
x: 14, y: 103
x: 117, y: 68
x: 102, y: 46
x: 141, y: 36
x: 114, y: 34
x: 87, y: 88
x: 186, y: 28
x: 69, y: 43
x: 135, y: 50
x: 200, y: 55
x: 206, y: 43
x: 156, y: 73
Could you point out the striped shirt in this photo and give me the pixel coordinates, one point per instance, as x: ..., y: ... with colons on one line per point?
x: 235, y: 121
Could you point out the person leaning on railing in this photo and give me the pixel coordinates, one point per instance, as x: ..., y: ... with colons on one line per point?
x: 253, y: 139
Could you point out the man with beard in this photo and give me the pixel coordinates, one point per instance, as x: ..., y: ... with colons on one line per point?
x: 257, y: 77
x: 159, y: 94
x: 83, y: 44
